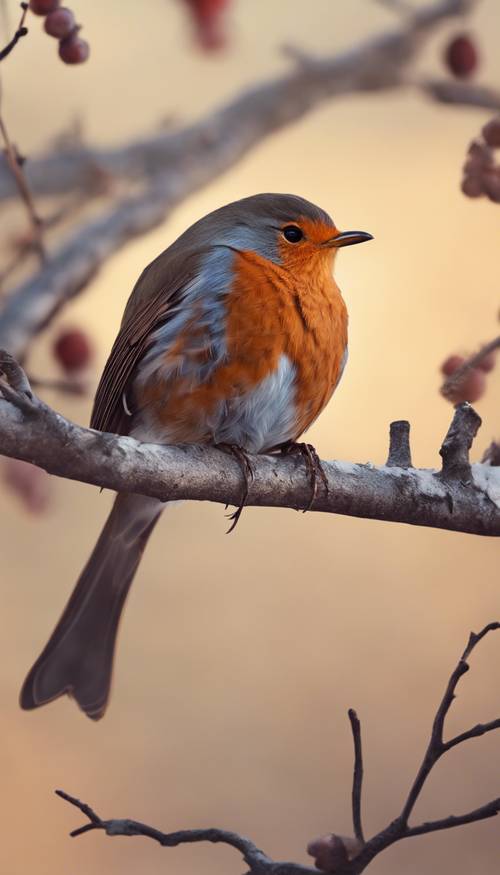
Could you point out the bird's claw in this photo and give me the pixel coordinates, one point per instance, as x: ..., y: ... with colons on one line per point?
x: 243, y: 459
x: 313, y: 466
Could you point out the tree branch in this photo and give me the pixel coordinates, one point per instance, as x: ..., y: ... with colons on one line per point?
x: 357, y: 780
x: 20, y: 32
x: 229, y: 132
x: 171, y: 165
x: 32, y: 431
x: 335, y: 854
x: 455, y: 93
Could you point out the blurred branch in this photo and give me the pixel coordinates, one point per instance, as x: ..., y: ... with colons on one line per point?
x: 20, y: 32
x: 453, y: 382
x: 171, y: 165
x: 460, y: 497
x: 14, y: 161
x: 461, y: 93
x: 34, y: 302
x: 374, y: 65
x: 335, y: 854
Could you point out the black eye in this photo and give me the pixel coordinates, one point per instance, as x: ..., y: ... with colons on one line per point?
x: 292, y: 234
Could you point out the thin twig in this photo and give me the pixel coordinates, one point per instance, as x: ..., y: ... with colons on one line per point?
x: 14, y: 164
x: 23, y: 249
x: 357, y: 781
x: 20, y: 32
x: 14, y: 161
x: 253, y: 856
x: 437, y: 747
x: 335, y: 854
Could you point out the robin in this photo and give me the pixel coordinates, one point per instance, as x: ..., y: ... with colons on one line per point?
x: 235, y: 335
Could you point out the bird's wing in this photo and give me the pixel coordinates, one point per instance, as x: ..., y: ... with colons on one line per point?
x: 158, y: 289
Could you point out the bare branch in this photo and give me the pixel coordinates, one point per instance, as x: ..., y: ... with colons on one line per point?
x: 337, y: 855
x: 437, y: 747
x: 457, y: 443
x: 34, y: 432
x: 357, y: 781
x: 450, y: 91
x: 255, y: 858
x: 492, y: 454
x: 485, y: 811
x: 31, y: 306
x: 20, y: 32
x: 225, y: 136
x: 171, y: 165
x: 399, y: 445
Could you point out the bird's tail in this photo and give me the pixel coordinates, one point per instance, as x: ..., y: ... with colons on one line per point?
x: 78, y: 658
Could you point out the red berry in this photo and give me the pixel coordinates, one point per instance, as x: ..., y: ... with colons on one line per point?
x: 491, y: 132
x: 488, y: 362
x: 208, y: 17
x: 60, y: 23
x: 472, y: 186
x: 451, y: 364
x: 461, y: 56
x: 30, y: 483
x: 471, y: 388
x: 43, y: 7
x: 74, y: 50
x: 73, y: 350
x: 491, y: 184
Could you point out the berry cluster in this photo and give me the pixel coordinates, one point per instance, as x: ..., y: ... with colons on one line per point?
x: 481, y: 173
x: 208, y: 18
x: 60, y: 23
x: 461, y: 56
x: 472, y: 386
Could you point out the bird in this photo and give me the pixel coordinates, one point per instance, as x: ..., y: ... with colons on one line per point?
x: 236, y: 336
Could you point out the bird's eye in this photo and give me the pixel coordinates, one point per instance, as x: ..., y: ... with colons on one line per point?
x: 292, y: 234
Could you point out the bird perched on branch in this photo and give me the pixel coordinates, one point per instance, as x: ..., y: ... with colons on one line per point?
x: 235, y: 335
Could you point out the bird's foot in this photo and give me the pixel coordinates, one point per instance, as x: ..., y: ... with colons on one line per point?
x: 313, y: 465
x: 243, y: 459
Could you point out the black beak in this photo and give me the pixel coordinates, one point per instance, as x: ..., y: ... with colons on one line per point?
x: 348, y: 238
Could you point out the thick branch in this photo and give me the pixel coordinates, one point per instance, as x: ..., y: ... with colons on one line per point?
x: 32, y: 431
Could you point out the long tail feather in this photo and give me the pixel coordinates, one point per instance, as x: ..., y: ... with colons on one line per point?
x: 78, y: 658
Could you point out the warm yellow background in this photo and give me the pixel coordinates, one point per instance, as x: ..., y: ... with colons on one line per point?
x: 239, y: 656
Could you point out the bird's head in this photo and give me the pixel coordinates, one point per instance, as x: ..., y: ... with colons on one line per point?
x: 281, y: 228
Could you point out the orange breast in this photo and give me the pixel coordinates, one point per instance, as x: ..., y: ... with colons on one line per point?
x: 270, y: 312
x: 274, y: 311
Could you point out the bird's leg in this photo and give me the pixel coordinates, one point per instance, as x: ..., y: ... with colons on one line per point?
x: 243, y: 459
x: 313, y: 465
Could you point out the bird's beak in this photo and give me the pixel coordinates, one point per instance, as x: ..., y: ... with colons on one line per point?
x: 348, y: 238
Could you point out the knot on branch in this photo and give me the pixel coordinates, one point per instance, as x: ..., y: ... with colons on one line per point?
x: 399, y: 445
x: 457, y: 443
